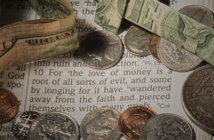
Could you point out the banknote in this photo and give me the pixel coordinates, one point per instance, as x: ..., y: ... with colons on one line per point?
x: 27, y: 41
x: 169, y: 24
x: 109, y: 14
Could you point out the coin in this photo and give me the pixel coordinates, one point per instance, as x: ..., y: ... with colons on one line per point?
x: 199, y: 13
x: 9, y: 105
x: 101, y: 49
x: 54, y: 126
x: 131, y: 121
x: 137, y: 41
x: 198, y: 97
x: 167, y: 127
x: 153, y: 47
x: 176, y: 58
x: 22, y: 123
x: 100, y: 124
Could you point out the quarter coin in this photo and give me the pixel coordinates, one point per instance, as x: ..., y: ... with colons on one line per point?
x: 167, y: 127
x: 137, y: 41
x: 100, y: 124
x: 131, y: 121
x: 54, y: 126
x: 9, y: 105
x: 22, y: 123
x: 101, y: 49
x: 198, y: 97
x: 176, y: 58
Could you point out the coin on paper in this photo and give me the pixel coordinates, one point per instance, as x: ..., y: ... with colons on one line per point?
x: 54, y: 126
x: 9, y: 105
x: 100, y: 124
x: 22, y: 123
x: 153, y: 47
x: 176, y: 58
x: 131, y: 121
x: 137, y: 41
x: 167, y: 127
x: 198, y: 97
x: 101, y: 49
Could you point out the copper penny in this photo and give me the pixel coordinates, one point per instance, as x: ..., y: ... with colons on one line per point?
x: 9, y: 105
x: 153, y: 47
x: 131, y: 121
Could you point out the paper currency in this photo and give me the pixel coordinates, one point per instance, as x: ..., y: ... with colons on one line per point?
x: 169, y: 24
x: 109, y: 14
x: 31, y: 40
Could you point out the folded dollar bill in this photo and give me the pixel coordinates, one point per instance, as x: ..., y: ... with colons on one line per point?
x: 53, y: 35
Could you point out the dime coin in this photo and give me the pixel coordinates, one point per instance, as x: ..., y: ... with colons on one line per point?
x: 131, y: 121
x: 101, y: 49
x: 22, y: 123
x: 100, y: 124
x: 198, y: 97
x: 167, y: 127
x: 54, y: 126
x: 176, y: 58
x: 137, y: 41
x: 9, y: 105
x: 153, y: 47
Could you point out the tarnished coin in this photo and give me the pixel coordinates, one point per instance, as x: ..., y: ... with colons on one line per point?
x: 199, y: 13
x: 54, y: 126
x: 9, y: 105
x: 22, y: 123
x: 198, y: 97
x: 176, y: 58
x: 101, y: 49
x: 153, y: 47
x: 131, y: 121
x: 100, y: 124
x: 137, y: 41
x: 167, y: 127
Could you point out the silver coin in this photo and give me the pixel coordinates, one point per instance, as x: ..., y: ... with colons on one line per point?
x: 100, y: 124
x: 101, y: 49
x: 176, y: 58
x: 199, y: 13
x: 137, y: 41
x: 22, y: 122
x: 167, y: 127
x: 198, y: 97
x: 54, y: 126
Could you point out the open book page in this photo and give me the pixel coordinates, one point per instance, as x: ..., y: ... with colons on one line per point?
x: 66, y: 84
